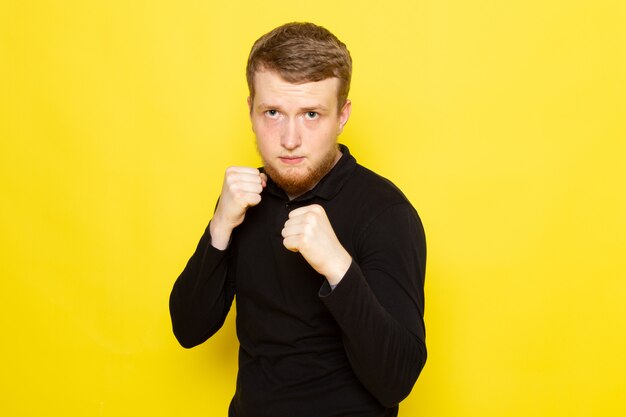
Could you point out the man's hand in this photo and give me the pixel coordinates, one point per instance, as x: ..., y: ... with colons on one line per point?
x: 309, y: 232
x: 241, y: 189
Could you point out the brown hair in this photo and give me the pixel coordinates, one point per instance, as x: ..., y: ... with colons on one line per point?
x: 299, y: 53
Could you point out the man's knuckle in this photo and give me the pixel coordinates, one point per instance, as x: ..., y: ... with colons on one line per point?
x: 231, y: 179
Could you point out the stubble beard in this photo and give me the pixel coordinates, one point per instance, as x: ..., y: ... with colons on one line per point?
x: 295, y: 183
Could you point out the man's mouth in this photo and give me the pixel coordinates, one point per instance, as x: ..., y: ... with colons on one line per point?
x: 291, y: 160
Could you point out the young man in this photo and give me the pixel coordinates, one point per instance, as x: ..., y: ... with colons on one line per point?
x: 326, y: 258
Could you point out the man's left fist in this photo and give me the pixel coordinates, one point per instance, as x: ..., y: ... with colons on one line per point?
x: 309, y: 232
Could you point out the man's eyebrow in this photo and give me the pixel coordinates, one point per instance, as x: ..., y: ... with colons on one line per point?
x: 266, y: 106
x: 317, y: 107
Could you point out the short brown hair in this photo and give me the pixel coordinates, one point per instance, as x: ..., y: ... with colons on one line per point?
x: 299, y: 53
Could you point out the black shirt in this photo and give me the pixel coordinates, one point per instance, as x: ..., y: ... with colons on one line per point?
x: 307, y: 350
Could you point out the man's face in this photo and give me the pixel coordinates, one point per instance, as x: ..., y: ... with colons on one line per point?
x: 296, y: 127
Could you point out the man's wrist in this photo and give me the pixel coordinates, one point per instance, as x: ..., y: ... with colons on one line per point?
x: 220, y: 236
x: 339, y: 270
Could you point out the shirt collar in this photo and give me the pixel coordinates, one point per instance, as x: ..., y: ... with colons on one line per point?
x: 328, y: 186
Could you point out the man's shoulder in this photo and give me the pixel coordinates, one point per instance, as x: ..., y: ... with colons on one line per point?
x: 373, y: 189
x: 377, y: 182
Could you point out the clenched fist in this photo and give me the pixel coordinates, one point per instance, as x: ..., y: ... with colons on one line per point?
x: 309, y: 232
x: 241, y: 189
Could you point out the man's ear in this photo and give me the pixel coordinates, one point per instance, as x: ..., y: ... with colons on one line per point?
x: 344, y: 115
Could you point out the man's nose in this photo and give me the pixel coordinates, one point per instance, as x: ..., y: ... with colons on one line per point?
x: 290, y: 137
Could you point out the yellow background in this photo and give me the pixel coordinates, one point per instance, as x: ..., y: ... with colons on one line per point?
x: 503, y: 121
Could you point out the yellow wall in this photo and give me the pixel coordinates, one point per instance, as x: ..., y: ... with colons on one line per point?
x: 503, y: 121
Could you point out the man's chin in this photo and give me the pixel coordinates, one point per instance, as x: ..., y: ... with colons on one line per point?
x: 292, y: 183
x: 299, y: 179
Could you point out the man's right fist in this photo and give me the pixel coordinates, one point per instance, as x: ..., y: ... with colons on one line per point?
x: 241, y: 189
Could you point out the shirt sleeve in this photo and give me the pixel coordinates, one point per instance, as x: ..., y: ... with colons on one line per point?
x: 202, y: 294
x: 379, y: 305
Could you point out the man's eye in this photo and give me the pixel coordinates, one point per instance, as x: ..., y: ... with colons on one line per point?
x: 271, y: 113
x: 311, y: 115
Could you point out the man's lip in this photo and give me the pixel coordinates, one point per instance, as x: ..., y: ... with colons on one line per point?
x: 291, y: 160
